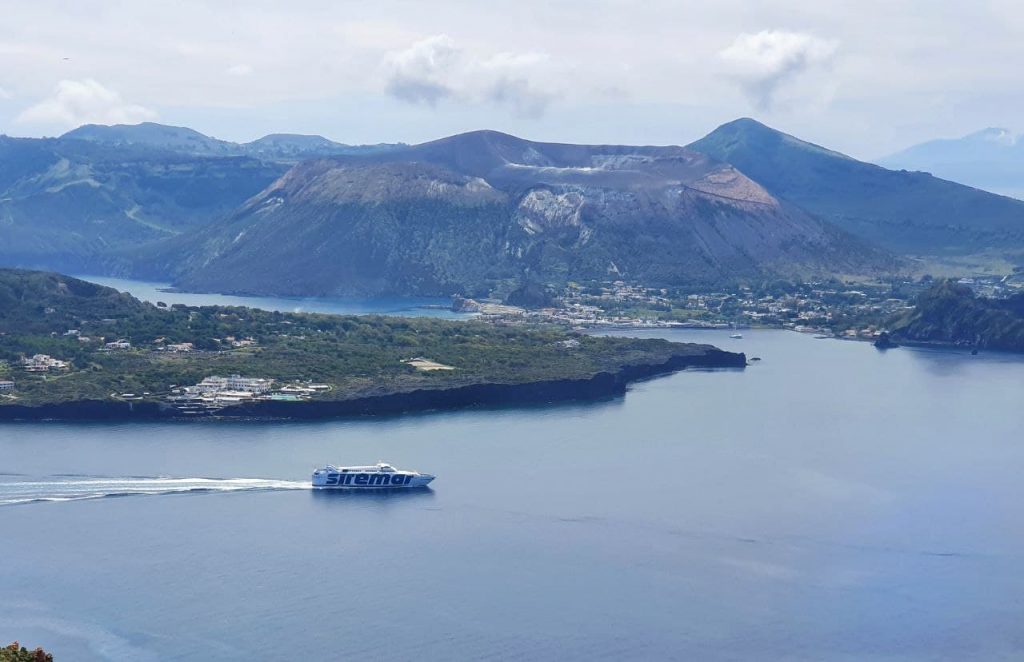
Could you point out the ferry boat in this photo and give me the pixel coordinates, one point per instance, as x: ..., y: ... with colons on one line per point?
x: 376, y: 477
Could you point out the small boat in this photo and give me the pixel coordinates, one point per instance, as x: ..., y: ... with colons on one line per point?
x: 737, y: 336
x: 376, y: 477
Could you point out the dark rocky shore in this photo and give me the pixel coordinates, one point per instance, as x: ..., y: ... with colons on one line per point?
x: 598, y: 386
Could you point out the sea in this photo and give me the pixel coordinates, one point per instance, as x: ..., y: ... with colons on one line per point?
x: 829, y: 502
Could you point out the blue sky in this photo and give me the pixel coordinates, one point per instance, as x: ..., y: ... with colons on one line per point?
x: 866, y: 77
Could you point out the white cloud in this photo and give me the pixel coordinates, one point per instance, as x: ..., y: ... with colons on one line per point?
x: 77, y: 102
x: 239, y: 70
x: 765, y: 61
x: 4, y: 94
x: 436, y: 69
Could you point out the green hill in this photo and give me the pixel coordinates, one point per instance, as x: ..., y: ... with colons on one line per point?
x: 907, y: 212
x: 39, y: 302
x: 949, y: 313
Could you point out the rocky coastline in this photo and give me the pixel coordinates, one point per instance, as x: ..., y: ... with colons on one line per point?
x: 596, y: 387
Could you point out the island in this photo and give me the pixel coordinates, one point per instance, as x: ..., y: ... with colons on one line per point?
x: 71, y: 349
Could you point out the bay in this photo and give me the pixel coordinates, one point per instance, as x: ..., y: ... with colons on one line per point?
x: 163, y: 292
x: 830, y: 502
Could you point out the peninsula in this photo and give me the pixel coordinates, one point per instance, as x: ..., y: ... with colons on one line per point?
x: 951, y: 314
x: 70, y: 349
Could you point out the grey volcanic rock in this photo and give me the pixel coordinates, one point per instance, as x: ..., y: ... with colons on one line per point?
x: 464, y: 213
x: 906, y: 212
x: 329, y: 229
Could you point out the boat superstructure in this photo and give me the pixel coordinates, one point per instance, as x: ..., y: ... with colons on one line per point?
x: 378, y: 476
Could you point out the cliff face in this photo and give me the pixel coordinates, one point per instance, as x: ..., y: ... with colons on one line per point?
x: 951, y: 314
x: 600, y: 385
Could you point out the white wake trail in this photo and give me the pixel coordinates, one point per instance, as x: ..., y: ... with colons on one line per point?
x: 24, y: 489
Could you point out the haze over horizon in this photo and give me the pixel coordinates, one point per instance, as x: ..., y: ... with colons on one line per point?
x: 866, y: 80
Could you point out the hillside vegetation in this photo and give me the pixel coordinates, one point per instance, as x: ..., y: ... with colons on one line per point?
x: 907, y: 212
x: 949, y: 313
x: 18, y: 653
x: 357, y: 356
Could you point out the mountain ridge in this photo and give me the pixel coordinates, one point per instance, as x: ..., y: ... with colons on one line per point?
x: 281, y: 146
x: 466, y: 213
x: 907, y: 212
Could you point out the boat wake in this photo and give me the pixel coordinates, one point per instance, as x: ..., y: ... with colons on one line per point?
x: 19, y: 489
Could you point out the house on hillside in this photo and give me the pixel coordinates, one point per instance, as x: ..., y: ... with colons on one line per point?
x: 42, y: 363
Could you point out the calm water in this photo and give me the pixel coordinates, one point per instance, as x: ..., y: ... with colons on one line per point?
x: 415, y: 306
x: 830, y: 503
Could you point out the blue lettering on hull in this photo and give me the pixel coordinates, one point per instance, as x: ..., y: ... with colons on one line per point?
x: 367, y: 480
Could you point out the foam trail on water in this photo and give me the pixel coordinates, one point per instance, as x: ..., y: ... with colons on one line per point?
x: 24, y: 489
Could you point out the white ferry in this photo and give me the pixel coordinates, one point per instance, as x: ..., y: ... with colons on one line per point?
x: 376, y: 477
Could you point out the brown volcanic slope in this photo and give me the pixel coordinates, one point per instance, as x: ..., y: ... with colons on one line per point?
x: 464, y: 213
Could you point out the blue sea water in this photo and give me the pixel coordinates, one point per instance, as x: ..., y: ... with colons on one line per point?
x: 408, y: 306
x: 831, y: 502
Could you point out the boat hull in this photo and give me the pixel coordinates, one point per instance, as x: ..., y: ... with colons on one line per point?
x: 370, y: 480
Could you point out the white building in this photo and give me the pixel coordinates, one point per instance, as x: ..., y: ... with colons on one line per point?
x: 6, y: 385
x: 42, y: 363
x: 235, y: 383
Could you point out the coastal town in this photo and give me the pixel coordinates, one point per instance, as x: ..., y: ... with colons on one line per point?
x: 829, y: 309
x: 832, y: 309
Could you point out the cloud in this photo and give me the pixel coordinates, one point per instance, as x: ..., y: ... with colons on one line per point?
x: 239, y: 70
x: 765, y: 61
x: 4, y: 94
x: 77, y: 102
x: 437, y: 69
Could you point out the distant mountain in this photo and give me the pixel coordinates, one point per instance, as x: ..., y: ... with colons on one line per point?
x: 279, y: 146
x: 991, y: 159
x: 70, y: 204
x: 152, y: 135
x: 85, y: 201
x: 951, y: 314
x: 469, y: 212
x: 907, y: 212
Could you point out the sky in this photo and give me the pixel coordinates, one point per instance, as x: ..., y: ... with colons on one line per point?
x: 866, y: 78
